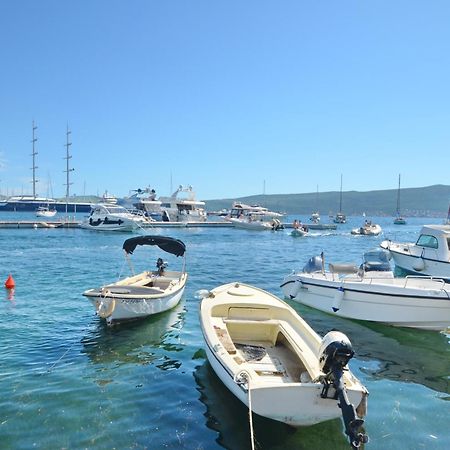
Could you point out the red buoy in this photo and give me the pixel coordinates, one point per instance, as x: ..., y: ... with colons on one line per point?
x: 10, y: 283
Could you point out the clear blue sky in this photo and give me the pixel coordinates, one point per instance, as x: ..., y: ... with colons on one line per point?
x: 225, y: 95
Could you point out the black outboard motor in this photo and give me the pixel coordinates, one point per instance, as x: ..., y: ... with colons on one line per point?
x: 334, y: 354
x: 314, y: 264
x: 161, y: 265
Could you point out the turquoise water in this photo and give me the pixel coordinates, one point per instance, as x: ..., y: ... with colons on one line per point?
x: 68, y: 381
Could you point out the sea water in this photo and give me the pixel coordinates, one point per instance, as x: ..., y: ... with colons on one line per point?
x: 69, y: 381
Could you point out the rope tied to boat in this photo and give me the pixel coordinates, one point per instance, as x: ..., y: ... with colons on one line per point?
x: 243, y: 378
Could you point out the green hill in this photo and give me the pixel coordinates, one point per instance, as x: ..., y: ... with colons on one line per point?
x: 423, y: 201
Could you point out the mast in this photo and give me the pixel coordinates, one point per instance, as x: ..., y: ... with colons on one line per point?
x: 68, y: 169
x: 33, y: 154
x: 398, y: 196
x: 340, y: 197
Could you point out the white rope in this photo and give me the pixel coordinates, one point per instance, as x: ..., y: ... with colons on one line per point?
x: 242, y: 378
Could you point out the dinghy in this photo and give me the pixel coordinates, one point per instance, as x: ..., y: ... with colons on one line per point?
x: 146, y: 293
x: 275, y: 363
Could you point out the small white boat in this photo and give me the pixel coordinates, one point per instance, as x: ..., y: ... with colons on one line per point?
x: 104, y: 217
x: 430, y: 255
x: 371, y: 292
x: 368, y: 229
x: 340, y: 216
x: 146, y: 293
x: 45, y: 211
x: 271, y: 359
x: 252, y: 223
x: 299, y: 232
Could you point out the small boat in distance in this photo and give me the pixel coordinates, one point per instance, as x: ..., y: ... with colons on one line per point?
x: 399, y: 219
x: 430, y: 255
x: 368, y: 229
x: 370, y: 292
x: 144, y: 294
x: 262, y: 350
x: 45, y: 211
x: 340, y: 216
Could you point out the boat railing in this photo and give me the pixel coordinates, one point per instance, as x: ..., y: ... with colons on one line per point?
x: 440, y: 281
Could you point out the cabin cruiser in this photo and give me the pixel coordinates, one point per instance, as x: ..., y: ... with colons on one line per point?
x: 430, y: 255
x: 240, y: 209
x: 179, y: 209
x: 144, y: 200
x: 144, y: 294
x: 368, y: 229
x: 371, y: 292
x: 104, y: 217
x: 256, y: 222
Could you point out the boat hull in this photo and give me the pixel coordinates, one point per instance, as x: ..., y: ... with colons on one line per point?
x: 117, y: 308
x: 397, y: 305
x: 411, y: 259
x: 255, y: 226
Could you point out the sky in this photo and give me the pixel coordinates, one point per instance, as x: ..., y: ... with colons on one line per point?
x: 235, y: 98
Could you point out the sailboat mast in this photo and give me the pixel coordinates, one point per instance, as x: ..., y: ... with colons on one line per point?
x: 68, y: 169
x: 33, y: 154
x: 340, y: 197
x: 398, y: 196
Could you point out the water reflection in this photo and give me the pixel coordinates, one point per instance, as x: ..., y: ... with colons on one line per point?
x: 402, y: 354
x: 226, y: 415
x: 151, y: 341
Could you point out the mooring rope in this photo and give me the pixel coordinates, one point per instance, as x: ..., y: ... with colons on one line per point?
x: 243, y: 377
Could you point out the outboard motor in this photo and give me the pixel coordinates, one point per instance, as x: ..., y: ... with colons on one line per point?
x: 161, y: 265
x: 334, y: 354
x: 315, y: 264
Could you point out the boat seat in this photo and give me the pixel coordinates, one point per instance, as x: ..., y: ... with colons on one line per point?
x: 225, y: 340
x: 343, y: 268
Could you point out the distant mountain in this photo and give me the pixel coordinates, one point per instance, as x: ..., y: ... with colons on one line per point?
x: 424, y: 201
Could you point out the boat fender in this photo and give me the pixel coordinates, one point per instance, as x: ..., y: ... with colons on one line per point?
x: 105, y: 307
x: 419, y: 265
x: 296, y: 289
x: 337, y: 300
x: 361, y: 409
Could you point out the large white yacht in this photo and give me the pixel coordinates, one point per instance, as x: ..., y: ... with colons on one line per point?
x: 184, y: 207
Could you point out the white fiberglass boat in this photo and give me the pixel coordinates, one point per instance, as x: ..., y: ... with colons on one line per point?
x: 368, y: 229
x: 271, y: 359
x: 178, y: 209
x: 430, y: 255
x: 239, y: 210
x: 371, y: 292
x: 104, y: 217
x: 256, y: 222
x: 45, y: 211
x: 146, y: 293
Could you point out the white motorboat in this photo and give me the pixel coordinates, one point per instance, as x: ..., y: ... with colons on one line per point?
x: 368, y: 229
x: 45, y: 211
x: 178, y: 209
x: 256, y: 222
x: 399, y: 219
x: 430, y: 255
x: 299, y: 232
x: 104, y: 217
x: 144, y: 294
x: 371, y: 292
x: 144, y: 200
x: 275, y: 363
x: 239, y: 210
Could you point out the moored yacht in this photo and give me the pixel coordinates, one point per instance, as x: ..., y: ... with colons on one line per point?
x: 183, y: 209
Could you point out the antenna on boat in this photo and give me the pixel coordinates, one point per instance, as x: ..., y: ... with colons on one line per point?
x: 68, y: 169
x: 33, y: 154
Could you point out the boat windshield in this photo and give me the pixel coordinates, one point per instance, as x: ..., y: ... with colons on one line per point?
x: 426, y: 240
